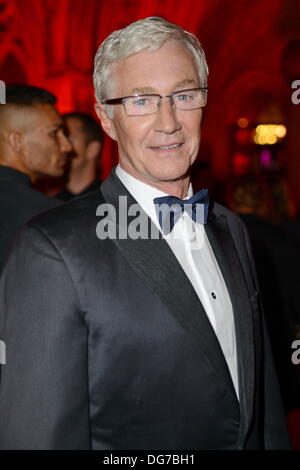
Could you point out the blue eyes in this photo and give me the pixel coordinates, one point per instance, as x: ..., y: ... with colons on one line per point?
x: 141, y: 105
x: 150, y: 100
x: 141, y: 102
x: 183, y: 97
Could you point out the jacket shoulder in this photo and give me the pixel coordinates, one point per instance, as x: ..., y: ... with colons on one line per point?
x: 78, y: 211
x: 236, y: 226
x: 233, y: 219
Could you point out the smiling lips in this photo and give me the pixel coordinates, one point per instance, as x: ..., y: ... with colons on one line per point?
x: 166, y: 147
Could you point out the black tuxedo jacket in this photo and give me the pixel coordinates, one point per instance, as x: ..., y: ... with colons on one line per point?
x: 109, y: 347
x: 19, y: 202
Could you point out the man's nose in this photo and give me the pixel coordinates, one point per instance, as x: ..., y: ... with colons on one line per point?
x: 166, y: 119
x: 65, y: 144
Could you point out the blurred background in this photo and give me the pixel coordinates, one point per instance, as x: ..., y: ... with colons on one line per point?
x: 253, y: 51
x: 250, y: 153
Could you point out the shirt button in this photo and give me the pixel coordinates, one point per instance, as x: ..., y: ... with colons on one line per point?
x: 213, y: 295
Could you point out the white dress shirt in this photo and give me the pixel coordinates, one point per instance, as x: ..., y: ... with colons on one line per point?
x: 190, y: 245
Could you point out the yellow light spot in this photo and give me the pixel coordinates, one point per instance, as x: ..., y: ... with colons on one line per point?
x: 269, y: 133
x: 280, y: 131
x: 271, y: 139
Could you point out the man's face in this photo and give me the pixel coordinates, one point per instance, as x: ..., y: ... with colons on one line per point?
x: 79, y: 143
x: 45, y: 145
x: 140, y: 138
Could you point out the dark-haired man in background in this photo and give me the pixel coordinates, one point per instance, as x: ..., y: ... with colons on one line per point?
x: 32, y: 144
x: 86, y: 137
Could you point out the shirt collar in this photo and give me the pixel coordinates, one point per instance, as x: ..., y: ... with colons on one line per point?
x: 9, y: 173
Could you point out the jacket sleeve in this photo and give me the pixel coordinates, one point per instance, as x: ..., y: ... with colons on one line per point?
x: 44, y: 383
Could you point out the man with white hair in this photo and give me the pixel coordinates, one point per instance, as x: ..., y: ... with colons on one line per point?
x: 140, y: 334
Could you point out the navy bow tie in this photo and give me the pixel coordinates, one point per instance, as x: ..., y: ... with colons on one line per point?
x: 170, y: 208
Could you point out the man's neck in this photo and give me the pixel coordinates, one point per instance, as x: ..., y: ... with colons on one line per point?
x: 79, y: 181
x: 15, y: 165
x: 178, y: 188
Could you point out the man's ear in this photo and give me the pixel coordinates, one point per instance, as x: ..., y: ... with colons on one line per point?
x: 106, y: 123
x: 93, y: 150
x: 15, y: 140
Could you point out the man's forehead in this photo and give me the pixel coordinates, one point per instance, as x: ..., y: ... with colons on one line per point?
x: 181, y: 84
x: 38, y: 110
x: 166, y: 69
x: 47, y: 111
x: 29, y: 118
x: 74, y: 124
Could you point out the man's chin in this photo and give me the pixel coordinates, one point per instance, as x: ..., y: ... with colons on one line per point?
x: 175, y: 174
x: 57, y: 174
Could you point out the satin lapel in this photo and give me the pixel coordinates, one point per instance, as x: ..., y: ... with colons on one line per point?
x: 156, y: 265
x: 226, y: 254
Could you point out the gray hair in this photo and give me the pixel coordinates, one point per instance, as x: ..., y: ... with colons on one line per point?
x: 149, y: 33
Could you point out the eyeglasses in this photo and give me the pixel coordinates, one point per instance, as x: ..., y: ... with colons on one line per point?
x: 141, y: 105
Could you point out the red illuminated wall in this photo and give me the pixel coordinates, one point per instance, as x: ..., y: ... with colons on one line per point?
x: 252, y: 48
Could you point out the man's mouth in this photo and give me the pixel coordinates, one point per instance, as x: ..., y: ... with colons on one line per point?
x: 166, y: 147
x: 62, y: 162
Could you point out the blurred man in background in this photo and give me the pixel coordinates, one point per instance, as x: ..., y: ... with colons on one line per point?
x: 86, y: 137
x: 277, y: 264
x: 32, y: 144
